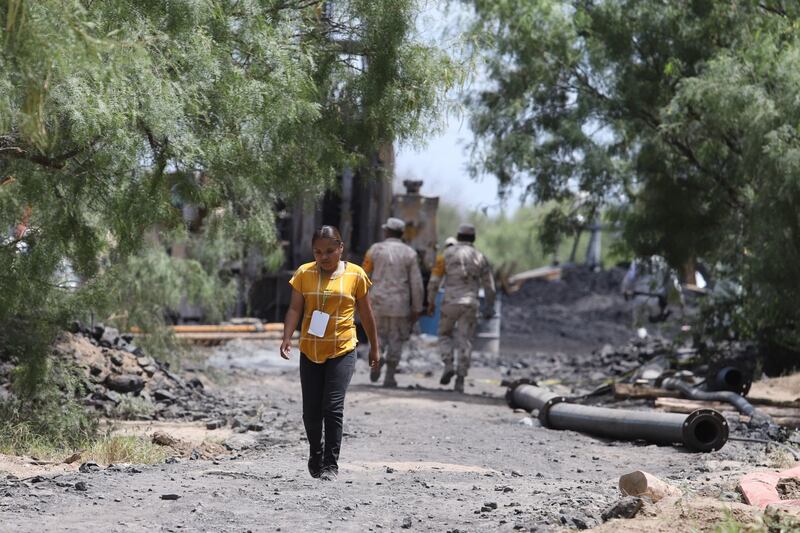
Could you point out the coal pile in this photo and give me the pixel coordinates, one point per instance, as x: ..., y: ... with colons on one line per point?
x: 120, y: 380
x: 581, y: 312
x: 585, y: 371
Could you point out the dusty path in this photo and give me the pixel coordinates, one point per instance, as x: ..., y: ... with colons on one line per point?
x: 420, y: 459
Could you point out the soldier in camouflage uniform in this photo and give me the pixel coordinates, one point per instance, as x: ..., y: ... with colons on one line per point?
x: 397, y: 294
x: 464, y: 270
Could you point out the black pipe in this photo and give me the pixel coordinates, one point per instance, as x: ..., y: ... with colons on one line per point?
x: 736, y: 400
x: 731, y: 379
x: 703, y: 430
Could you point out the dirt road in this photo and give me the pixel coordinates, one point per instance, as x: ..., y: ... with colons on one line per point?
x: 419, y: 459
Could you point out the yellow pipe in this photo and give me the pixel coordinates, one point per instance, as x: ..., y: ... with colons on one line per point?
x: 224, y: 328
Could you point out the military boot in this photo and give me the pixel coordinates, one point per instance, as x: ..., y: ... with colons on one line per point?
x: 459, y: 386
x: 388, y: 379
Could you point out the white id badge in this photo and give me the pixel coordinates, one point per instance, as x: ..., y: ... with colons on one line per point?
x: 319, y: 323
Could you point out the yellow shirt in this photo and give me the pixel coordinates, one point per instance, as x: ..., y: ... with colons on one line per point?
x: 336, y: 295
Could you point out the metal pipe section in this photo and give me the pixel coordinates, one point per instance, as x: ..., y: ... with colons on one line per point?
x: 687, y: 391
x: 703, y: 430
x: 739, y: 402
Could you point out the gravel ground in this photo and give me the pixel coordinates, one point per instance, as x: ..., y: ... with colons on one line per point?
x: 416, y: 458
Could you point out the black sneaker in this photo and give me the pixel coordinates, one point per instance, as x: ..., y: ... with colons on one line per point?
x: 447, y: 376
x: 315, y: 465
x: 329, y: 474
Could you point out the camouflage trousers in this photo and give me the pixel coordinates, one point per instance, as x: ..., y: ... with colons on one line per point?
x: 393, y: 331
x: 456, y: 329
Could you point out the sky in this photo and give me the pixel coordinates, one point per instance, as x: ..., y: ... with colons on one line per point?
x: 442, y: 163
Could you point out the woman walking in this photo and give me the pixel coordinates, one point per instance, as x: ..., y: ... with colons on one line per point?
x: 326, y: 293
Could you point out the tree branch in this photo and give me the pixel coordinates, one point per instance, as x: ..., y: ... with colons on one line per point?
x: 58, y: 162
x: 159, y: 148
x: 688, y: 153
x: 775, y: 10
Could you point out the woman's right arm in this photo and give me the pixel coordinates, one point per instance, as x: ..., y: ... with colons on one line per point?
x: 290, y: 322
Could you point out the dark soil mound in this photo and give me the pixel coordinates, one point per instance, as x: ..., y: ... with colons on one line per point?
x: 580, y: 312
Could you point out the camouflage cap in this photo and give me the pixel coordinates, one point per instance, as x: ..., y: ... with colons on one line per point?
x: 394, y: 224
x: 466, y: 229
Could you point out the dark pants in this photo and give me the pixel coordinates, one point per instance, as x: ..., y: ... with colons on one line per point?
x: 324, y: 386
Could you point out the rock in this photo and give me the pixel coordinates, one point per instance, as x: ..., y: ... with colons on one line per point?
x: 406, y: 523
x: 627, y: 507
x: 580, y: 523
x: 389, y: 470
x: 789, y: 488
x: 97, y: 331
x: 162, y: 395
x: 255, y: 426
x: 163, y: 439
x: 113, y: 396
x: 74, y: 457
x: 81, y: 486
x: 170, y: 497
x: 109, y: 337
x: 145, y: 360
x: 730, y: 496
x: 488, y: 506
x: 240, y: 442
x: 116, y: 359
x: 195, y: 383
x: 215, y: 424
x: 125, y: 383
x: 640, y: 483
x: 88, y: 467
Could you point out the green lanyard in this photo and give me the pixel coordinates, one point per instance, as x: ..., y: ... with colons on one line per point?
x: 325, y: 293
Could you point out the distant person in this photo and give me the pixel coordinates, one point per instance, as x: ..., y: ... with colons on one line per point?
x: 466, y: 270
x: 326, y: 293
x: 654, y: 287
x: 397, y: 294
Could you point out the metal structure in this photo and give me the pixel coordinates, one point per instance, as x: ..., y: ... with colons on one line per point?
x: 703, y: 430
x: 419, y: 214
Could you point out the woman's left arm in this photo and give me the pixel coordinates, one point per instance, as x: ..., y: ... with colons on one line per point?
x: 368, y: 321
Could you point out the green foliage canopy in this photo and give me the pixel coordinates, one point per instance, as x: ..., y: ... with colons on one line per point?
x: 109, y: 111
x: 682, y: 114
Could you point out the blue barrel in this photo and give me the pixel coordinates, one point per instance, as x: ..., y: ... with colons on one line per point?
x: 430, y: 324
